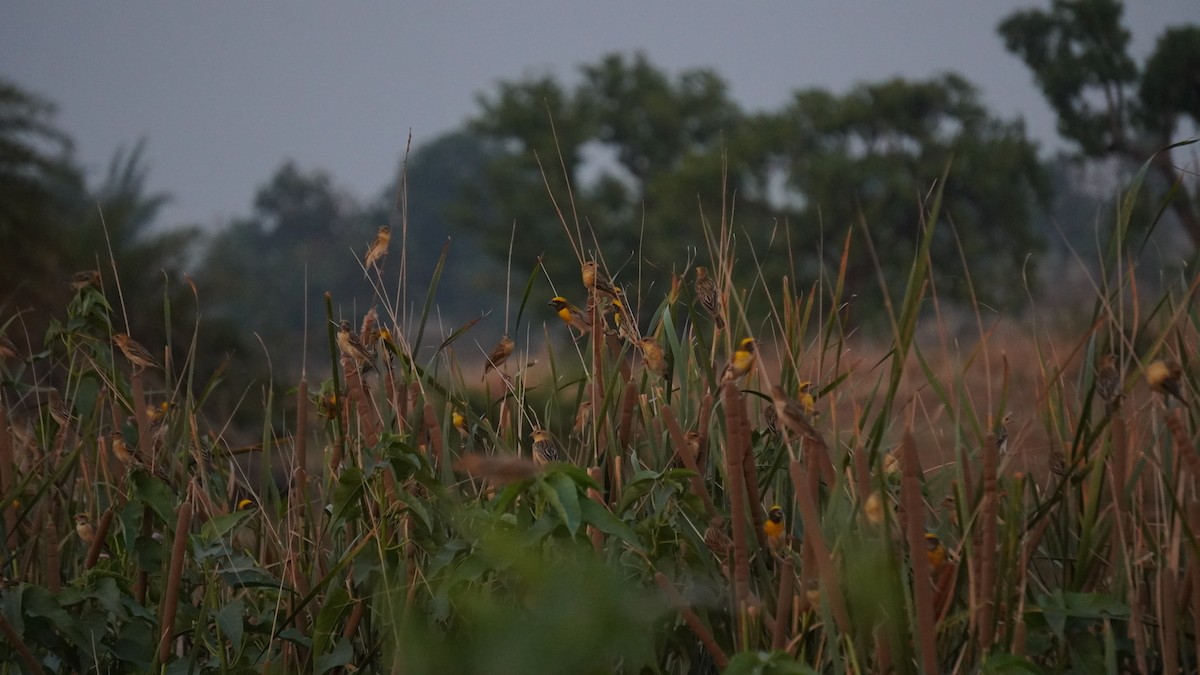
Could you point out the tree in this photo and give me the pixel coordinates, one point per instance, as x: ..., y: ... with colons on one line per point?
x: 1078, y: 51
x: 871, y: 155
x: 647, y: 154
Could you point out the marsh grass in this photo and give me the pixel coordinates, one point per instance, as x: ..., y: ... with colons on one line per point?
x: 395, y: 540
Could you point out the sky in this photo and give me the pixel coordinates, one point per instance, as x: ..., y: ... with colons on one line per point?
x: 224, y: 92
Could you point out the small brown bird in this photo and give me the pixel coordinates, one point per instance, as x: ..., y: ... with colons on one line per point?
x: 1002, y: 434
x: 570, y: 315
x: 1058, y: 463
x: 698, y: 448
x: 653, y: 357
x: 583, y: 417
x: 378, y: 248
x: 83, y: 279
x: 545, y: 450
x: 350, y: 346
x: 84, y: 528
x: 717, y: 539
x: 61, y: 412
x: 1165, y: 378
x: 791, y: 414
x: 130, y: 457
x: 706, y: 293
x: 500, y: 354
x: 1108, y: 382
x: 138, y: 355
x: 596, y: 281
x: 741, y: 362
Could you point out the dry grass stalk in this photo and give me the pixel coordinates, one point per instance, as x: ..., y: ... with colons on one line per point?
x: 698, y: 628
x: 1168, y: 620
x: 822, y: 555
x: 97, y: 545
x: 913, y: 509
x: 737, y: 496
x: 174, y: 574
x: 53, y: 554
x: 497, y: 470
x: 434, y: 432
x: 594, y: 533
x: 6, y: 476
x: 706, y: 408
x: 750, y: 476
x: 1194, y: 569
x: 783, y: 603
x: 625, y: 424
x: 679, y: 441
x: 298, y: 493
x: 1032, y: 540
x: 14, y: 639
x: 862, y: 474
x: 985, y: 602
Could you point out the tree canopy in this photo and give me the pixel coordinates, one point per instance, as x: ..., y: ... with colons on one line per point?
x: 640, y: 157
x: 1108, y: 105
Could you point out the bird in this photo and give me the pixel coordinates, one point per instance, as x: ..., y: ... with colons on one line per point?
x: 1108, y: 382
x: 698, y: 449
x: 350, y: 346
x: 138, y: 355
x: 61, y: 412
x: 545, y: 450
x: 596, y: 281
x: 1002, y: 434
x: 7, y: 349
x: 935, y: 552
x: 653, y: 357
x: 790, y: 413
x: 378, y: 248
x: 246, y: 504
x: 717, y: 540
x: 623, y: 318
x: 1058, y: 463
x: 706, y: 293
x: 83, y: 279
x: 499, y: 355
x: 459, y: 422
x: 774, y: 527
x: 129, y: 455
x: 570, y: 315
x: 1165, y: 377
x: 873, y: 508
x: 84, y: 528
x: 582, y: 417
x: 741, y: 362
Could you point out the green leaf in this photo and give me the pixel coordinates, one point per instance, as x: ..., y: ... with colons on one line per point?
x: 602, y: 519
x: 155, y: 494
x: 229, y: 620
x: 347, y: 495
x: 568, y: 498
x: 999, y: 664
x: 328, y: 619
x: 340, y: 656
x: 766, y: 663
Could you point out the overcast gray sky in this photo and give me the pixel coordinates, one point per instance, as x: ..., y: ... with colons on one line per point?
x: 225, y: 91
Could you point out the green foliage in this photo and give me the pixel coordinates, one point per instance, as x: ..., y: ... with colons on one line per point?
x: 648, y: 159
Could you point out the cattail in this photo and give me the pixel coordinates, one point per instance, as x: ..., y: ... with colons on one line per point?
x: 783, y: 603
x: 174, y: 574
x: 680, y: 441
x: 914, y: 516
x: 830, y: 582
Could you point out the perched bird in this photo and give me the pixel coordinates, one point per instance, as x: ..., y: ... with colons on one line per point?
x: 1165, y: 378
x: 570, y: 315
x: 774, y: 527
x: 1058, y: 463
x: 873, y: 508
x: 61, y: 412
x: 350, y: 346
x: 623, y: 319
x: 1108, y: 382
x: 84, y: 528
x: 935, y: 552
x: 1002, y: 434
x: 771, y: 420
x: 717, y: 539
x: 741, y: 362
x: 130, y: 457
x: 791, y: 414
x: 653, y: 357
x: 499, y: 355
x: 583, y: 416
x: 83, y: 279
x: 378, y: 248
x: 246, y: 504
x: 805, y: 398
x: 7, y: 349
x: 138, y: 355
x: 697, y: 448
x: 706, y: 293
x: 460, y: 423
x: 596, y: 281
x: 545, y: 450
